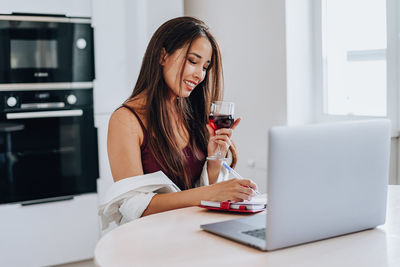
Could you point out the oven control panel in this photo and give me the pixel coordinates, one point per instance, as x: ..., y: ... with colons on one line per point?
x: 12, y: 101
x: 45, y: 100
x: 71, y: 99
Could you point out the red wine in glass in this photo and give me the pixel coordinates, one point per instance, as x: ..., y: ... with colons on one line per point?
x: 220, y: 121
x: 221, y: 116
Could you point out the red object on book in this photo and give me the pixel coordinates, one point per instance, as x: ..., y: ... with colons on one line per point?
x: 226, y: 206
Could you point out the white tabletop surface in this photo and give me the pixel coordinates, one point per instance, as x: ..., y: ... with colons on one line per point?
x: 174, y: 238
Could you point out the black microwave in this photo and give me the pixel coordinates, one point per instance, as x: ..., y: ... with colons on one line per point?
x: 45, y: 49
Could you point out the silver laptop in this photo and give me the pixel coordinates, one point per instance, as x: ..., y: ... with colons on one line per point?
x: 324, y: 180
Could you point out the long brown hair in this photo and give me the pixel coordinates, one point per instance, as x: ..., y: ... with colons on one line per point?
x: 194, y: 110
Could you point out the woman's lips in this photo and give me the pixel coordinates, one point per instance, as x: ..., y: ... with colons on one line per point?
x: 190, y: 85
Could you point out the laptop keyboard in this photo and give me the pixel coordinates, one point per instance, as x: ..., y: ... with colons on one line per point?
x: 258, y: 233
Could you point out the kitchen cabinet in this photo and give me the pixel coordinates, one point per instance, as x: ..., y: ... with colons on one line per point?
x: 48, y: 233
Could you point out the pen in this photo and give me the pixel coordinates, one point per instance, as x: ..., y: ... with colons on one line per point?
x: 235, y: 173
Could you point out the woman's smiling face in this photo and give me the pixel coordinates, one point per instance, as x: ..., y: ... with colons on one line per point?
x: 195, y: 68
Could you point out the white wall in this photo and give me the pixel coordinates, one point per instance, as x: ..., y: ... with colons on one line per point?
x: 299, y: 58
x: 122, y: 31
x: 251, y: 35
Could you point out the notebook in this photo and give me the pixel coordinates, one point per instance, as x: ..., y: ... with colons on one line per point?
x: 323, y: 181
x: 256, y: 204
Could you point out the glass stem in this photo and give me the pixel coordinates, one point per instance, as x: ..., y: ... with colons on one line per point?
x: 218, y: 153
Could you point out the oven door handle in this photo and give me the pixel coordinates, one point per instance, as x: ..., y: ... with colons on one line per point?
x: 45, y: 114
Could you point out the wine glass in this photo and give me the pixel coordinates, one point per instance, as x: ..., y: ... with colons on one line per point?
x: 221, y: 116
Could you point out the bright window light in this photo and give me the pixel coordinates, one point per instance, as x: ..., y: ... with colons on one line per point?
x: 354, y: 54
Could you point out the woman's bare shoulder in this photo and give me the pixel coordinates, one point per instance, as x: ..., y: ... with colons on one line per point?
x: 123, y: 115
x: 127, y: 111
x: 123, y: 119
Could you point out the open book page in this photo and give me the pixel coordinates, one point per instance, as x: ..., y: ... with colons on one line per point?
x: 259, y: 199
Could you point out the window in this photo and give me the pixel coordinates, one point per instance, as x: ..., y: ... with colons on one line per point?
x: 354, y: 57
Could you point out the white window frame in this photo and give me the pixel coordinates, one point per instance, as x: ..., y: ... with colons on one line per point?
x: 392, y: 59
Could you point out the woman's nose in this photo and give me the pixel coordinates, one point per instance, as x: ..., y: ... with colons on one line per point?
x: 198, y: 73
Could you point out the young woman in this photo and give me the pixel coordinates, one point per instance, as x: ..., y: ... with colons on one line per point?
x: 163, y: 124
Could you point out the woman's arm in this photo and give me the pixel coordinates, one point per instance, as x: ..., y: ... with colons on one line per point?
x: 124, y: 138
x: 213, y: 169
x: 234, y: 189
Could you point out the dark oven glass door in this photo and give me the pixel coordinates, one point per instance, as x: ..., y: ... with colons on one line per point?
x: 45, y: 52
x: 53, y: 155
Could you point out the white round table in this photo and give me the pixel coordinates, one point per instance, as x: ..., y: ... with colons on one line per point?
x: 174, y: 238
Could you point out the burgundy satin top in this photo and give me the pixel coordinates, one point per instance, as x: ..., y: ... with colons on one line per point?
x: 150, y: 164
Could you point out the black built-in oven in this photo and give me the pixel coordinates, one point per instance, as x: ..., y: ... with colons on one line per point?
x: 42, y: 48
x: 48, y: 141
x: 48, y: 145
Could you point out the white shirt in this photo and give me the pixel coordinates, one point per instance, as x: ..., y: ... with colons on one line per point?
x: 128, y: 198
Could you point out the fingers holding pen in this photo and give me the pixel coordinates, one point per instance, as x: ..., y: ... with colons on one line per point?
x: 234, y: 189
x: 248, y: 188
x: 243, y: 188
x: 250, y: 184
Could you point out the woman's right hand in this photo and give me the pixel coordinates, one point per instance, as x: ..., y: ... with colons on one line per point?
x: 235, y: 190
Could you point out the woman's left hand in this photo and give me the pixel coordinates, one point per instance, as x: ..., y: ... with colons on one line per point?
x: 221, y: 137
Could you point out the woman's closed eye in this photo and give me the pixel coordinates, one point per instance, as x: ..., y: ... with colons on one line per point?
x: 193, y: 62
